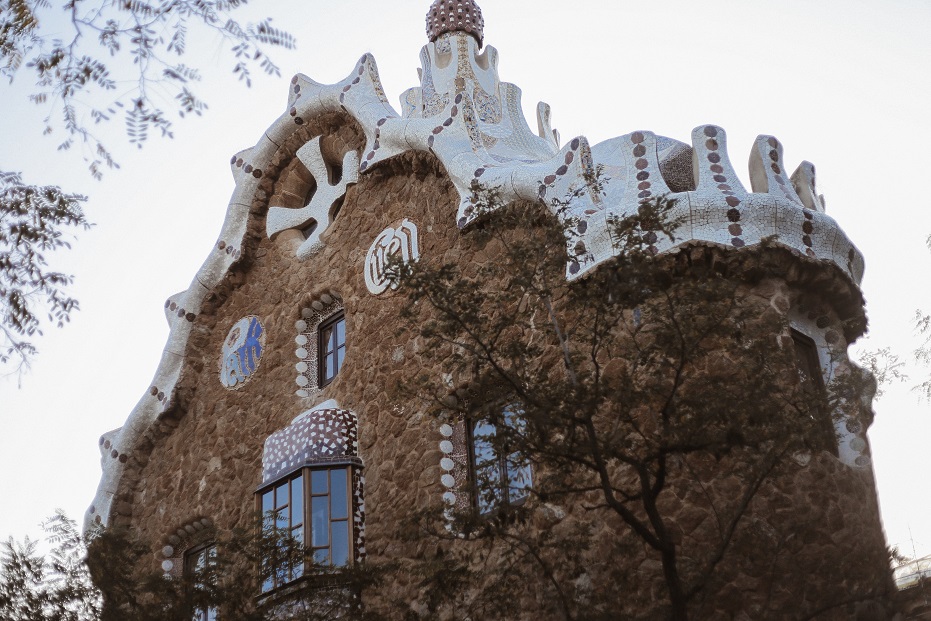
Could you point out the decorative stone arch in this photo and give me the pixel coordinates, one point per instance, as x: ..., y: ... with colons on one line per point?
x: 314, y: 311
x: 177, y: 543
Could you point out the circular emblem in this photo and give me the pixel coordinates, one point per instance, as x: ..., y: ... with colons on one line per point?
x: 401, y: 242
x: 242, y: 352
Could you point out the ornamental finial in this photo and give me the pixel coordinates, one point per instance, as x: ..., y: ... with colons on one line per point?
x: 455, y: 16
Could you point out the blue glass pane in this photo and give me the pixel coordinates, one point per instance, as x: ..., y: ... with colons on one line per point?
x: 340, y: 354
x: 318, y: 482
x: 340, y: 543
x: 268, y: 503
x: 281, y: 495
x: 282, y: 521
x: 330, y: 371
x: 322, y: 557
x: 488, y: 487
x: 339, y: 502
x: 268, y: 584
x: 297, y: 500
x: 320, y: 521
x: 341, y: 332
x: 327, y: 339
x: 483, y: 435
x: 519, y: 477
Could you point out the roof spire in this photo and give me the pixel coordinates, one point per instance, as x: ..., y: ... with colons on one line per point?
x: 455, y: 16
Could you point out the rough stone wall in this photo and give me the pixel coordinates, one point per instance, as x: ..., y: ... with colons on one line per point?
x: 818, y: 520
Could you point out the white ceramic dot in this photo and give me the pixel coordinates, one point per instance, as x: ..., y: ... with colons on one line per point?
x: 303, y: 394
x: 450, y: 498
x: 858, y: 444
x: 167, y: 566
x: 307, y: 313
x: 301, y: 353
x: 300, y: 325
x: 446, y: 431
x: 302, y: 381
x: 168, y: 551
x: 301, y: 340
x: 448, y: 480
x: 446, y: 446
x: 447, y: 464
x: 301, y: 367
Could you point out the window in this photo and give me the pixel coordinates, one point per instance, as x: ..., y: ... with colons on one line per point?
x: 501, y: 477
x: 331, y: 347
x: 318, y: 531
x: 811, y: 379
x: 199, y: 565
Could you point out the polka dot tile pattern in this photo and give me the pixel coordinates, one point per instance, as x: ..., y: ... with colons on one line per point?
x: 455, y: 16
x: 454, y: 467
x: 319, y: 436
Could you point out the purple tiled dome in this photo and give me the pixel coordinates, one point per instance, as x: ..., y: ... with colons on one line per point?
x: 455, y: 16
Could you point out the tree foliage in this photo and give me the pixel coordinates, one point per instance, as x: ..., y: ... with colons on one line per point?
x: 111, y: 576
x: 83, y: 57
x: 653, y: 386
x: 34, y: 221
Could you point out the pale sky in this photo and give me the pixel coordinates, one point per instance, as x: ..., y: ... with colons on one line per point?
x: 842, y: 83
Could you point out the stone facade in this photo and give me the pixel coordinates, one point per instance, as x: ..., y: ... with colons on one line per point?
x: 340, y: 183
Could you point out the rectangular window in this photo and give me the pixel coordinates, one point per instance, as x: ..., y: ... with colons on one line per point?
x: 502, y: 477
x: 199, y: 565
x: 318, y: 530
x: 331, y: 347
x: 811, y: 378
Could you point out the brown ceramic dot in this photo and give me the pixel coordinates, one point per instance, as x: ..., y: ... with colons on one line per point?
x: 114, y: 454
x: 300, y: 121
x: 643, y: 175
x: 711, y: 132
x: 807, y: 214
x: 720, y: 178
x: 550, y: 179
x: 774, y: 155
x: 233, y: 161
x: 776, y: 169
x: 714, y: 158
x: 738, y: 243
x: 370, y: 156
x: 712, y: 144
x: 293, y: 111
x: 808, y: 227
x: 806, y: 240
x: 733, y: 215
x: 239, y: 163
x: 153, y: 391
x: 575, y: 144
x: 735, y: 230
x: 570, y: 156
x: 562, y: 170
x: 574, y: 267
x: 454, y: 111
x: 430, y: 141
x: 641, y: 164
x: 717, y: 168
x: 637, y: 137
x: 773, y: 142
x: 294, y: 80
x: 190, y: 317
x: 583, y: 226
x: 365, y: 165
x: 733, y: 201
x: 645, y: 194
x: 724, y: 187
x: 479, y: 172
x: 381, y: 122
x: 640, y: 150
x: 437, y: 130
x: 644, y: 185
x: 173, y: 307
x: 447, y: 122
x: 161, y: 396
x: 123, y: 459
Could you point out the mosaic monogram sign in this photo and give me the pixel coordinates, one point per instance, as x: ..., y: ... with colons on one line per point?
x: 400, y: 242
x: 242, y: 352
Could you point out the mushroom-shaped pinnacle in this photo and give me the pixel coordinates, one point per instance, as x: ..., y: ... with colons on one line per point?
x: 455, y: 16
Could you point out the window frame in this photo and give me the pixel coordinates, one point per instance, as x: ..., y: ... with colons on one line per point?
x: 189, y: 571
x: 332, y: 321
x: 305, y: 473
x: 504, y: 501
x: 812, y: 381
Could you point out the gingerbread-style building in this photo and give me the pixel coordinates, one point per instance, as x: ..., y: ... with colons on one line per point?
x: 272, y: 391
